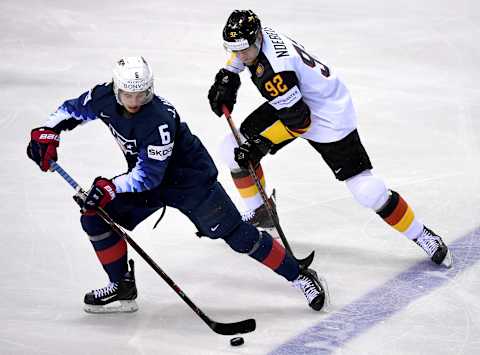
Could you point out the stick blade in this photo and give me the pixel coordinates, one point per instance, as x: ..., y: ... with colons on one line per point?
x: 305, y: 263
x: 242, y: 327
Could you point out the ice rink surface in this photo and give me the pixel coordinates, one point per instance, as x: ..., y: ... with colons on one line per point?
x: 413, y: 71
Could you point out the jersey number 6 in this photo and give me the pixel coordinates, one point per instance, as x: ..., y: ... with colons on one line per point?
x: 164, y: 134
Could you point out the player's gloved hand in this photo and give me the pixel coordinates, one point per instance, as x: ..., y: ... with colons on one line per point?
x: 43, y: 146
x: 224, y: 91
x: 253, y: 150
x: 100, y: 194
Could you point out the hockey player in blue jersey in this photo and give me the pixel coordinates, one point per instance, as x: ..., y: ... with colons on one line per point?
x: 167, y: 166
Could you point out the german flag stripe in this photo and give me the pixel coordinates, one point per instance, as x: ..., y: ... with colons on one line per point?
x: 302, y: 130
x: 390, y: 206
x: 398, y: 212
x: 251, y: 190
x: 406, y: 221
x: 247, y: 181
x: 278, y: 133
x: 299, y: 131
x: 241, y: 173
x: 112, y: 253
x: 276, y: 256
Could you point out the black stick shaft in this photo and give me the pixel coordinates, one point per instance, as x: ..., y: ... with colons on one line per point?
x: 244, y: 326
x: 304, y: 263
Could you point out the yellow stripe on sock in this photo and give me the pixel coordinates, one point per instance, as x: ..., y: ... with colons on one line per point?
x: 251, y: 190
x: 406, y: 221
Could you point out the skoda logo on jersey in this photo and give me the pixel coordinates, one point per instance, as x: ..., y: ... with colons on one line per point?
x: 260, y: 70
x: 128, y: 146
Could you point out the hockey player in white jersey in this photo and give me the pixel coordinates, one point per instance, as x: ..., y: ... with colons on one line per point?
x: 306, y: 99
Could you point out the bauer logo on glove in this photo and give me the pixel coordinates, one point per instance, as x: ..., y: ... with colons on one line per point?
x: 43, y: 146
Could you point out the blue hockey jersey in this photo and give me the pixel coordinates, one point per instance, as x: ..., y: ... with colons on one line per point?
x: 160, y: 149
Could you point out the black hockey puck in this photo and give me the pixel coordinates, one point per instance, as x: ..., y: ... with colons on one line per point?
x: 236, y: 341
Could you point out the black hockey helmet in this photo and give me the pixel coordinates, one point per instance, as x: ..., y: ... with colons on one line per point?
x: 241, y: 30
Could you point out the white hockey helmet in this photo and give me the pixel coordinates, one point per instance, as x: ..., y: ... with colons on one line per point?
x: 133, y: 74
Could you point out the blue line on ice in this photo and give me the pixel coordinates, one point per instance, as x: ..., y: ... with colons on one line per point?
x: 379, y: 304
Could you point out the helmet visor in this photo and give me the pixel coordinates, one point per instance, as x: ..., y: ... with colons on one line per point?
x: 238, y: 45
x: 134, y: 98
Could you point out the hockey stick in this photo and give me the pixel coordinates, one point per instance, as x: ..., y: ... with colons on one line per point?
x: 245, y: 326
x: 304, y: 263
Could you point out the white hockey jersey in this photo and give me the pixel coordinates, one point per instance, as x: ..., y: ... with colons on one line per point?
x: 286, y: 73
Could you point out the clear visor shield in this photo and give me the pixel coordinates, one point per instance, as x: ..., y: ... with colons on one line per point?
x: 136, y: 98
x: 238, y: 45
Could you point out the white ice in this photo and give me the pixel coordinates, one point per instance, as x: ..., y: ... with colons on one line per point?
x: 413, y: 71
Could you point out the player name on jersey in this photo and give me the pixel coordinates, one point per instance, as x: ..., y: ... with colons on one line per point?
x: 278, y: 44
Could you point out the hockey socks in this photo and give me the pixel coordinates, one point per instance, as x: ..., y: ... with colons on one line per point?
x: 263, y: 248
x: 247, y: 188
x: 110, y: 248
x: 399, y: 215
x: 111, y: 251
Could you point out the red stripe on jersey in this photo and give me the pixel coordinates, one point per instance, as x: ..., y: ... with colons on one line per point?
x: 113, y: 253
x: 276, y: 256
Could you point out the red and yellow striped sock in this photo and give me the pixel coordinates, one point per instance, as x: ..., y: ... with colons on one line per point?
x: 398, y: 214
x: 247, y: 188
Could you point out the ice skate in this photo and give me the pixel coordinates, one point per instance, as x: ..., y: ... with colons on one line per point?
x: 261, y: 219
x: 315, y: 289
x: 116, y: 297
x: 434, y: 246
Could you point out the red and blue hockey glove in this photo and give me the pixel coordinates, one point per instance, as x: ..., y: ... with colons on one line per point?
x: 253, y: 150
x: 43, y: 146
x: 224, y: 91
x: 100, y: 194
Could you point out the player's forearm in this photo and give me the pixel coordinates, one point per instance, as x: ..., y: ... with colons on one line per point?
x: 141, y: 178
x: 71, y: 114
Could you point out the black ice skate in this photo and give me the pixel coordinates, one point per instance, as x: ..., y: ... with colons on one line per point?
x: 260, y: 217
x: 115, y: 297
x: 314, y: 289
x: 434, y: 247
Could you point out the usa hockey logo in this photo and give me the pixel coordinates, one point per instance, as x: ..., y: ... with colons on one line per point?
x: 128, y: 146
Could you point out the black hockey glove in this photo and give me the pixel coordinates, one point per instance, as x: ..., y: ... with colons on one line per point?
x: 224, y: 91
x: 43, y: 146
x: 253, y: 150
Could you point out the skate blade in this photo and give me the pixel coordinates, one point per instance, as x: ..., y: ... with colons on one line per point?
x: 326, y: 304
x: 448, y: 261
x: 124, y: 306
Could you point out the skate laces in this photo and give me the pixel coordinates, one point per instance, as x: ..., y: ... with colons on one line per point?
x: 307, y: 286
x: 254, y: 213
x: 247, y: 216
x: 429, y: 241
x: 107, y: 290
